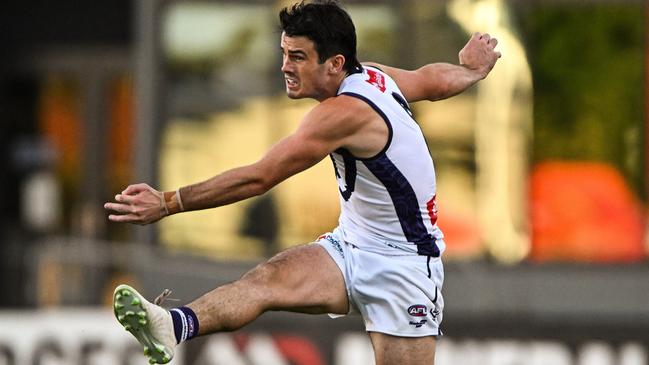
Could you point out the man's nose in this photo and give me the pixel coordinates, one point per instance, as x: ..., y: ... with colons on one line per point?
x: 285, y: 64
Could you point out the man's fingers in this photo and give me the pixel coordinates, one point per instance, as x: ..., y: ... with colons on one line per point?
x: 124, y: 218
x: 123, y: 198
x: 119, y: 208
x: 493, y: 41
x: 498, y: 54
x: 135, y: 205
x: 136, y: 188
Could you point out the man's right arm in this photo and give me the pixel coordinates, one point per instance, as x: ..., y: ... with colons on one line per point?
x: 330, y: 125
x: 438, y: 81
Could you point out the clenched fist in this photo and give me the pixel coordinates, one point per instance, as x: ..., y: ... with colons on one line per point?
x: 479, y: 53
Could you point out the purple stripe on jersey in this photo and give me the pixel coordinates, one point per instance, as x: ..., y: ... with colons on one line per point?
x: 405, y: 204
x: 350, y: 173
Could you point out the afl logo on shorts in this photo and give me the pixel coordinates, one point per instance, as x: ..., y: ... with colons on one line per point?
x: 418, y: 310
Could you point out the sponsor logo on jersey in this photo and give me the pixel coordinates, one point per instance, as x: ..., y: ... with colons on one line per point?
x: 418, y: 310
x: 418, y: 324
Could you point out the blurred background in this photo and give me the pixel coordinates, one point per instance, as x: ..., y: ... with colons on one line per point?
x: 543, y: 179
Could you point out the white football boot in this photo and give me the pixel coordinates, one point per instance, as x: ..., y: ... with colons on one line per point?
x: 149, y: 323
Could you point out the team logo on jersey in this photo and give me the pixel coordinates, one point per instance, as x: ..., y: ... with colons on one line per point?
x: 418, y: 310
x: 376, y: 79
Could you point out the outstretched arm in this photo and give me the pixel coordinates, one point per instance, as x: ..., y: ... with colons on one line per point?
x: 326, y: 128
x: 438, y: 81
x: 141, y: 204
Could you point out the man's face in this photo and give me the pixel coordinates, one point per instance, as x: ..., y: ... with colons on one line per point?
x: 303, y: 75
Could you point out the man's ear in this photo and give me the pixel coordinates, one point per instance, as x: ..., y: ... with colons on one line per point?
x: 337, y: 64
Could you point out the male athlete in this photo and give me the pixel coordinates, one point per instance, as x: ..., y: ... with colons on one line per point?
x: 383, y: 260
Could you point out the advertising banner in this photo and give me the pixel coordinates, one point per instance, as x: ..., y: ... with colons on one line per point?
x: 92, y: 337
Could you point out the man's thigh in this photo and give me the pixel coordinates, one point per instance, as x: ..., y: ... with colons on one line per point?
x: 393, y: 350
x: 301, y: 279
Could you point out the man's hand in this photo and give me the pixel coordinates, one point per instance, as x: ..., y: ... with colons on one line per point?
x: 137, y: 204
x: 479, y: 54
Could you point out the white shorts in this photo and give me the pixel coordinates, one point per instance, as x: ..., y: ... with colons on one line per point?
x: 398, y: 295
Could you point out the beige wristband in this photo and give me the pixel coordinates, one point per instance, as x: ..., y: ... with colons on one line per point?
x: 179, y: 200
x: 163, y: 203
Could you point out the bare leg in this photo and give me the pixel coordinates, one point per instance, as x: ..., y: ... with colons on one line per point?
x: 392, y: 350
x: 300, y: 279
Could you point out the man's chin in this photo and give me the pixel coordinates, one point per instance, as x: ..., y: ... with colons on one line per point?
x: 293, y: 95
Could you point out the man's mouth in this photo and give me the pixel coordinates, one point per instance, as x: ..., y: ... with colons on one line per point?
x: 291, y: 82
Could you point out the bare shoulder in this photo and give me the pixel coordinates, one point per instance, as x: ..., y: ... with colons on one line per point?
x: 381, y: 67
x: 358, y: 127
x: 342, y: 112
x: 411, y: 83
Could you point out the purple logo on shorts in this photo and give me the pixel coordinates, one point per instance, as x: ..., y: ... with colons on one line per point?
x: 418, y: 310
x: 418, y: 324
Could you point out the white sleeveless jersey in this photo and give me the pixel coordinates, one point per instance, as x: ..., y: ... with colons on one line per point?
x: 388, y: 201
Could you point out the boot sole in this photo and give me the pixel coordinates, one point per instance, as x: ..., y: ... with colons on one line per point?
x: 130, y: 313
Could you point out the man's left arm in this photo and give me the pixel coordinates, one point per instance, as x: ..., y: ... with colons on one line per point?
x: 438, y: 81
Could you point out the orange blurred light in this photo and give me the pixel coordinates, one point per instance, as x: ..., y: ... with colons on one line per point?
x: 585, y: 212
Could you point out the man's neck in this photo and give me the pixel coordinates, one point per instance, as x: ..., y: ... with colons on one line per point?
x: 332, y: 90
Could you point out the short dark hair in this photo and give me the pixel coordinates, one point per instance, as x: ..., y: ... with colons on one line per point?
x: 327, y: 25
